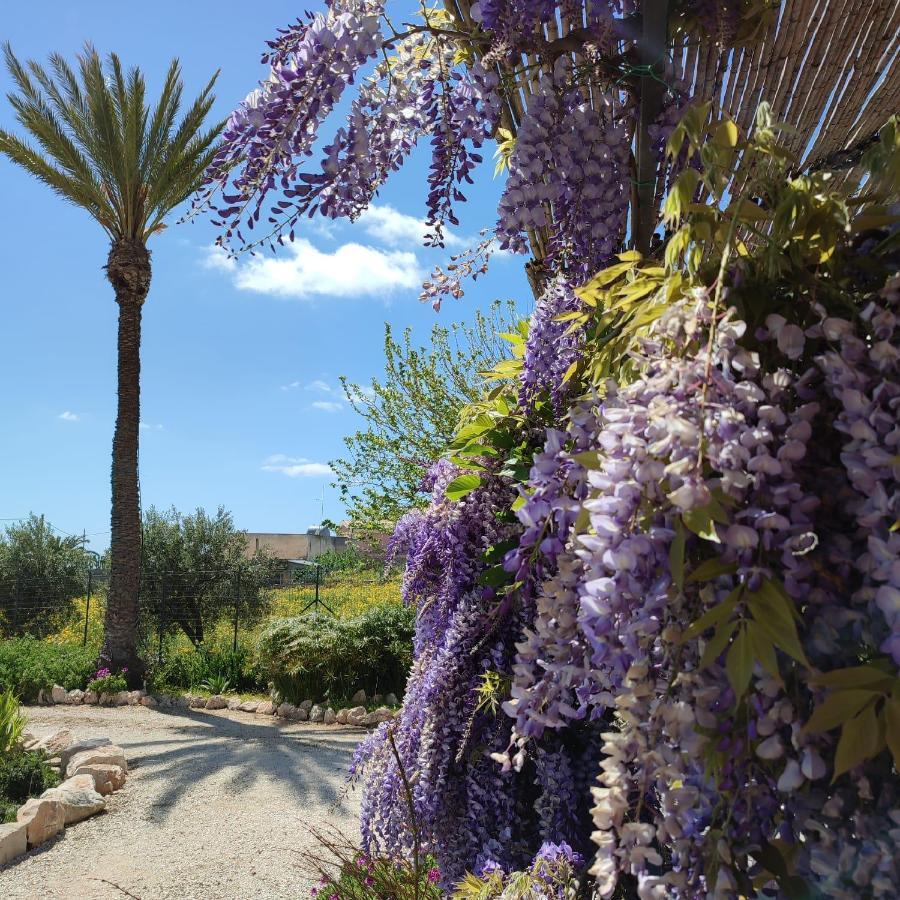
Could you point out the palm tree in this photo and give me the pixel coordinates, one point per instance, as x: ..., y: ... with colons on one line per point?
x: 99, y: 146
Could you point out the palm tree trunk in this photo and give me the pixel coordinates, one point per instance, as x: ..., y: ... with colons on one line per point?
x: 128, y: 270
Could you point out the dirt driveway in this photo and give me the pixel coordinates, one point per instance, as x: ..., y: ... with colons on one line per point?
x: 218, y: 805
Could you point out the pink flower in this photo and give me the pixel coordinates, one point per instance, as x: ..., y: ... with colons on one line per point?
x: 434, y: 875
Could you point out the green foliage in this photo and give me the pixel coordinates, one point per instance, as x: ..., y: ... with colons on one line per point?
x: 23, y: 774
x: 28, y: 665
x: 217, y: 684
x: 111, y: 683
x: 12, y: 721
x: 412, y: 414
x: 205, y: 667
x: 101, y: 147
x: 41, y: 573
x: 194, y: 570
x: 317, y: 656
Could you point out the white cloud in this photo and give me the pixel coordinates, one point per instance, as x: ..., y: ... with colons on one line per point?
x: 303, y: 271
x: 149, y: 426
x: 68, y: 416
x: 323, y: 387
x: 328, y: 405
x: 396, y: 229
x: 295, y: 466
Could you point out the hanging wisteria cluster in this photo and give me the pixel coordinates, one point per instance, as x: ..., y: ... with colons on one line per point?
x: 448, y: 78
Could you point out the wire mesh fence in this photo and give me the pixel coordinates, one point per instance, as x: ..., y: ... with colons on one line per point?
x: 200, y: 605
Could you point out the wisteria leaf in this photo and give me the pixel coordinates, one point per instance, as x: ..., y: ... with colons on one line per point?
x: 855, y: 677
x: 718, y: 613
x: 739, y: 664
x: 711, y: 569
x: 717, y: 644
x: 763, y: 650
x: 462, y: 485
x: 838, y: 708
x: 859, y: 742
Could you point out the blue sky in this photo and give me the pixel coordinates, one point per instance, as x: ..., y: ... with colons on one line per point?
x: 241, y: 404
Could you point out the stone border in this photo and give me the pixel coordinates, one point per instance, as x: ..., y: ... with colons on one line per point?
x: 93, y: 769
x: 307, y: 711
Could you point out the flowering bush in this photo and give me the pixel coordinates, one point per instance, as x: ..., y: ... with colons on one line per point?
x: 688, y: 615
x: 349, y: 873
x: 107, y: 682
x: 554, y: 875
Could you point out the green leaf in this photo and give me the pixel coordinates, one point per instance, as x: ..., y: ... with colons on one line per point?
x: 702, y: 520
x: 713, y: 616
x: 859, y: 742
x: 717, y: 644
x: 590, y: 459
x: 837, y: 708
x: 892, y: 728
x: 739, y: 664
x: 763, y: 650
x: 710, y: 569
x: 676, y: 558
x: 775, y: 614
x: 855, y: 677
x: 462, y: 485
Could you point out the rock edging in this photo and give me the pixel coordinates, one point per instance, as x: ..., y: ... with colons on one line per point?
x: 93, y: 769
x: 307, y: 711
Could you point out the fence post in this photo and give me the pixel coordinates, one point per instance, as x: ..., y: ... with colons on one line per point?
x: 237, y: 607
x: 87, y: 608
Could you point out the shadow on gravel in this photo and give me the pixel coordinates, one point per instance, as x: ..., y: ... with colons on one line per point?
x: 204, y: 745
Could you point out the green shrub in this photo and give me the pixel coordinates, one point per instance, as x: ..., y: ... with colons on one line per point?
x: 28, y: 665
x: 12, y: 721
x: 106, y: 682
x: 191, y: 669
x: 317, y: 656
x: 24, y: 774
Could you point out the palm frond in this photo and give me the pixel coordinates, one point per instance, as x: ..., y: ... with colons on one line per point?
x: 98, y: 144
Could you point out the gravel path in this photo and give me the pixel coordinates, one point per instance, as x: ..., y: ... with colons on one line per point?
x: 217, y: 805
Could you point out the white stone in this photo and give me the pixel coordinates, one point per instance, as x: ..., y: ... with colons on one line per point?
x: 91, y: 698
x: 13, y: 841
x: 78, y: 797
x: 266, y: 708
x: 106, y: 699
x: 307, y: 705
x: 356, y: 715
x: 301, y: 715
x: 234, y: 703
x: 134, y: 697
x: 76, y: 697
x: 197, y: 702
x: 57, y: 742
x: 391, y: 700
x: 342, y: 716
x: 330, y: 717
x: 43, y: 819
x: 59, y: 694
x: 107, y: 778
x: 317, y: 714
x: 358, y: 698
x: 123, y: 698
x: 217, y: 702
x: 108, y: 755
x: 149, y: 702
x: 286, y: 710
x: 249, y: 706
x: 66, y: 753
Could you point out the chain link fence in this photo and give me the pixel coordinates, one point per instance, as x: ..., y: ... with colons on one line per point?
x: 198, y: 604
